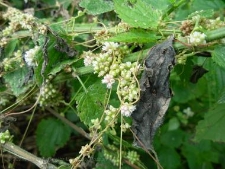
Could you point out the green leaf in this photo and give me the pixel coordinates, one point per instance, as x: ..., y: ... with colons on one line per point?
x: 207, y: 5
x: 135, y: 36
x: 212, y: 127
x: 61, y: 65
x: 159, y: 4
x: 90, y: 105
x: 138, y: 14
x: 215, y: 80
x: 200, y: 155
x: 10, y: 47
x: 52, y: 134
x: 185, y: 91
x: 221, y: 98
x: 203, y: 13
x: 173, y: 124
x: 16, y: 81
x: 97, y: 6
x: 169, y: 158
x: 218, y: 55
x: 172, y: 139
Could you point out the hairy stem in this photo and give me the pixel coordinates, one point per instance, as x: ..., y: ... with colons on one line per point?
x: 23, y: 154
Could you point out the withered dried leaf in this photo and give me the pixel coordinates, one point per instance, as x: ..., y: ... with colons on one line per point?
x: 155, y: 93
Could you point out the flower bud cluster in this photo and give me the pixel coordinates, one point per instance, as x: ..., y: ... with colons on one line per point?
x: 214, y: 23
x: 3, y: 42
x: 96, y: 124
x: 109, y: 64
x: 124, y: 127
x: 5, y: 137
x: 13, y: 62
x: 197, y: 38
x: 123, y: 26
x: 132, y: 156
x: 181, y: 59
x: 197, y: 23
x: 18, y: 21
x: 112, y: 154
x: 29, y: 56
x: 48, y: 94
x: 187, y: 27
x: 128, y: 89
x: 86, y: 150
x: 102, y: 35
x: 111, y: 114
x: 102, y: 64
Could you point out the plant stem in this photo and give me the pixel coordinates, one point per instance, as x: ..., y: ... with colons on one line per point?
x: 73, y: 126
x: 210, y: 36
x: 21, y: 153
x: 215, y: 34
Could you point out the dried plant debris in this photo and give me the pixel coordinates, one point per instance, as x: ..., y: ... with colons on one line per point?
x: 5, y: 122
x: 62, y: 46
x: 45, y: 55
x: 155, y: 93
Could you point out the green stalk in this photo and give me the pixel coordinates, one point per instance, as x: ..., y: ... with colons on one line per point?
x: 215, y: 34
x: 210, y: 36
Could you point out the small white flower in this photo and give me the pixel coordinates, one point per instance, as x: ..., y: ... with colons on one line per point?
x: 197, y: 38
x: 29, y: 56
x: 108, y: 80
x: 88, y: 60
x: 188, y: 112
x: 109, y: 47
x: 126, y: 109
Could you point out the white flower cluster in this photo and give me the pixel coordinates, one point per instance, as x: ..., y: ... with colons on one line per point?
x: 103, y: 62
x: 188, y: 112
x: 197, y: 38
x: 19, y: 20
x: 110, y: 47
x: 126, y: 109
x: 108, y: 80
x: 88, y: 58
x: 29, y: 56
x: 108, y: 64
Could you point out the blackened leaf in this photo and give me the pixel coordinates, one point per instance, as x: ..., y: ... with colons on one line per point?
x: 155, y: 93
x: 197, y: 73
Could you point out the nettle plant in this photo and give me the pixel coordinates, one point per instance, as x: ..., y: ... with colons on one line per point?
x: 84, y: 67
